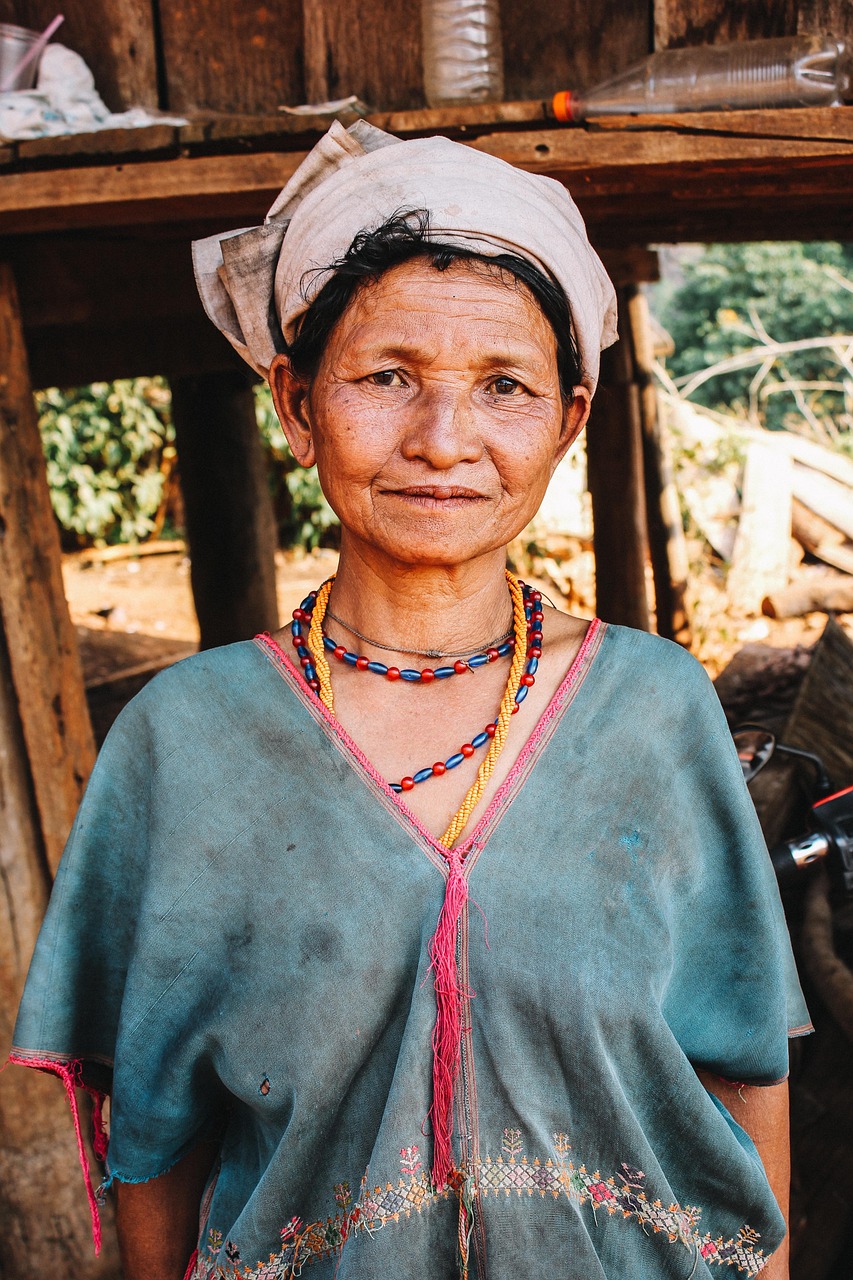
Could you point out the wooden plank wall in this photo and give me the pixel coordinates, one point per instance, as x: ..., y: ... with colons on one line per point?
x: 241, y: 56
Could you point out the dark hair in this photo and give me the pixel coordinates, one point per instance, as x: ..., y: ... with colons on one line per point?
x: 405, y: 236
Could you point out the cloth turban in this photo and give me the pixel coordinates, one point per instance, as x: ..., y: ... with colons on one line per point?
x: 257, y: 283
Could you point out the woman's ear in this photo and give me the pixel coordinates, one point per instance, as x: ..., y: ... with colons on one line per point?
x: 290, y: 397
x: 574, y: 421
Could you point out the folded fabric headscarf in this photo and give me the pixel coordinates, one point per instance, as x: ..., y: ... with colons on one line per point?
x: 258, y: 282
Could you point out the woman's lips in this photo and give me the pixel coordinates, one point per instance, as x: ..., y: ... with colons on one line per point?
x: 436, y: 496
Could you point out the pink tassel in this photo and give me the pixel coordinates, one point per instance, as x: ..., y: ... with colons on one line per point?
x: 191, y: 1266
x: 100, y: 1137
x: 446, y: 1038
x: 70, y: 1075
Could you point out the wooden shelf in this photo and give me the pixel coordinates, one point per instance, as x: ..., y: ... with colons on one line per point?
x: 722, y: 175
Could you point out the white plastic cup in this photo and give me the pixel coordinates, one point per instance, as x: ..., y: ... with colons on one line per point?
x: 15, y: 42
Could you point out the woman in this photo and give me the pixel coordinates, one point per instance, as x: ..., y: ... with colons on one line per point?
x: 262, y: 938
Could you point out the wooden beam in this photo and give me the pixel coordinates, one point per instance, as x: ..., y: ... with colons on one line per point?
x: 721, y: 21
x: 229, y: 519
x: 372, y: 50
x: 615, y: 477
x: 558, y: 44
x: 42, y: 644
x: 641, y: 183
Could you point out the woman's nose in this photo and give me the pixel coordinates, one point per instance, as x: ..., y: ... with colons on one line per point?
x: 442, y: 429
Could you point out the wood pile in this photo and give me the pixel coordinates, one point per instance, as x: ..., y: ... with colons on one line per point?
x: 776, y: 507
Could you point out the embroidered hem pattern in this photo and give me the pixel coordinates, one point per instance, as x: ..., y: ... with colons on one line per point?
x: 378, y: 1207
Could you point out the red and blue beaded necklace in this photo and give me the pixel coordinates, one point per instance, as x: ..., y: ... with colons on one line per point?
x: 534, y: 616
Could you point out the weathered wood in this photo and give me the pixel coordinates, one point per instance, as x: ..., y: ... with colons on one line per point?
x: 155, y: 137
x: 371, y: 50
x: 615, y: 477
x: 818, y: 722
x: 116, y: 37
x: 42, y: 1201
x: 821, y: 539
x: 633, y: 186
x: 719, y: 21
x: 830, y: 500
x: 231, y: 55
x: 817, y: 593
x: 553, y: 44
x: 42, y: 644
x: 667, y: 545
x: 636, y: 265
x: 229, y: 518
x: 762, y: 546
x: 834, y: 16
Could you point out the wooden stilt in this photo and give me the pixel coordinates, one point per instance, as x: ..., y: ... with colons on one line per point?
x: 667, y: 545
x: 615, y: 467
x: 42, y: 645
x: 230, y: 525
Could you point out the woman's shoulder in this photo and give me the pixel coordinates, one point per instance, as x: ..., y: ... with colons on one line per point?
x: 644, y: 653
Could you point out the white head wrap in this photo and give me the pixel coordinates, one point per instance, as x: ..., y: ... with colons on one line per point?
x: 257, y: 283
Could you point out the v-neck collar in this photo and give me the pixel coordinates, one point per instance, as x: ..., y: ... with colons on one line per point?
x: 471, y: 847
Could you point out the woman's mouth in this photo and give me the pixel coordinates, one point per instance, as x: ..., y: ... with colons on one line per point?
x: 436, y: 496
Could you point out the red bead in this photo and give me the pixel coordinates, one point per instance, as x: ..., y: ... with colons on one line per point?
x: 406, y: 784
x: 339, y: 652
x: 536, y: 595
x: 427, y: 675
x: 492, y: 655
x: 491, y: 730
x: 439, y: 768
x: 306, y: 662
x: 296, y: 641
x: 393, y: 673
x: 536, y: 637
x: 537, y: 615
x: 528, y: 680
x: 315, y: 685
x: 459, y: 666
x: 467, y: 750
x: 361, y: 663
x: 298, y: 615
x: 534, y: 651
x: 516, y: 707
x: 312, y: 595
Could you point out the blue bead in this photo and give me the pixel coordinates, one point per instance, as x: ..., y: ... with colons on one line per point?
x: 395, y: 786
x: 533, y: 666
x: 409, y: 674
x: 422, y: 775
x: 378, y: 667
x: 328, y: 644
x: 478, y: 660
x: 454, y: 760
x: 506, y: 647
x: 522, y: 693
x: 480, y: 740
x: 351, y: 658
x: 295, y: 628
x: 302, y: 652
x: 310, y: 672
x: 307, y: 605
x: 441, y: 673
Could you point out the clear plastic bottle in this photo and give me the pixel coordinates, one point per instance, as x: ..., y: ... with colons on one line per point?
x: 463, y: 53
x: 790, y: 71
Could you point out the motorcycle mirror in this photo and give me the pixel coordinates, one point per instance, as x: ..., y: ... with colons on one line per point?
x: 754, y: 746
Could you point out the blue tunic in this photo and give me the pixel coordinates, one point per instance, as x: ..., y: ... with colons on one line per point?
x: 237, y: 946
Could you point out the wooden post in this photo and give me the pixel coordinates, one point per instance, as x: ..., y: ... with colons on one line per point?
x: 46, y: 752
x: 615, y: 469
x: 230, y: 524
x: 667, y: 545
x: 43, y: 656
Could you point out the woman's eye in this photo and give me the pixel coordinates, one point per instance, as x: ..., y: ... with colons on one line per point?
x: 504, y: 386
x: 386, y: 378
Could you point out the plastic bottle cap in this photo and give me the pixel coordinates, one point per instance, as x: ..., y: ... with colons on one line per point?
x: 561, y: 105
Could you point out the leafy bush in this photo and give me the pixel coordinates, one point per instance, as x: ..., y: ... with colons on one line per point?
x: 105, y: 446
x: 732, y: 298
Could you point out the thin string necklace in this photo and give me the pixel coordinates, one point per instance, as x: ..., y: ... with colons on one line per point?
x: 421, y: 653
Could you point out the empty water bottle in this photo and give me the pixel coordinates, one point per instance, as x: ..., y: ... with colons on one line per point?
x: 791, y: 71
x: 463, y: 54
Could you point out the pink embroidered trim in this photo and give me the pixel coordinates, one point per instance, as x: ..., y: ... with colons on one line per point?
x: 551, y: 711
x: 191, y: 1265
x: 70, y: 1073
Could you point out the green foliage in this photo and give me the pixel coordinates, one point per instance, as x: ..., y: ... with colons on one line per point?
x: 304, y: 516
x: 104, y: 446
x: 732, y: 297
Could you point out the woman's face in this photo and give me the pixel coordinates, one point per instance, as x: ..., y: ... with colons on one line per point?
x: 435, y: 417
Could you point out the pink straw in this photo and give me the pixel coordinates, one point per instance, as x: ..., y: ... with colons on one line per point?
x: 34, y: 51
